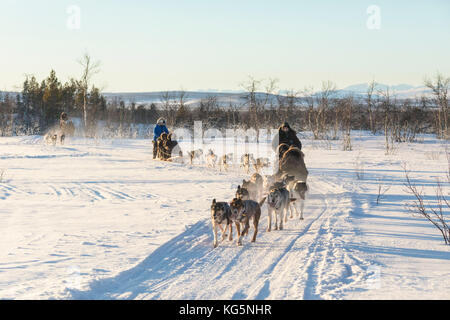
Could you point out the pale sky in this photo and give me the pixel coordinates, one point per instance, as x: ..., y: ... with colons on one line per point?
x: 215, y: 44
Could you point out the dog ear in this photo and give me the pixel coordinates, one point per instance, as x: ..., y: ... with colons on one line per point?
x: 214, y: 201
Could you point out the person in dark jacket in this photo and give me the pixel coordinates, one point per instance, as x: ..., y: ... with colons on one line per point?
x: 287, y: 136
x: 160, y: 128
x: 63, y: 126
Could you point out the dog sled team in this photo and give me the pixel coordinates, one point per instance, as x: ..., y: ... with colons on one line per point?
x: 284, y: 192
x: 167, y: 149
x: 59, y: 132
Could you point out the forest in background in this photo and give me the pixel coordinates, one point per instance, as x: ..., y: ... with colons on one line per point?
x: 38, y: 106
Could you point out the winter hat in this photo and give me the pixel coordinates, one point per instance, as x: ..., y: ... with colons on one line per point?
x: 285, y: 125
x: 161, y: 121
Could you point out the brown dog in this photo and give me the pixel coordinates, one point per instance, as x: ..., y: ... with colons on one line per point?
x: 242, y: 211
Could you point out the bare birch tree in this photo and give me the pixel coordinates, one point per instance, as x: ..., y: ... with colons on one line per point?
x: 90, y: 68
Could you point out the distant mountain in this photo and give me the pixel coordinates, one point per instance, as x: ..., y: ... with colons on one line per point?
x: 226, y: 98
x: 402, y: 91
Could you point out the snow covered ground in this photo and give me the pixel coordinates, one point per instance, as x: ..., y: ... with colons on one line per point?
x: 98, y: 219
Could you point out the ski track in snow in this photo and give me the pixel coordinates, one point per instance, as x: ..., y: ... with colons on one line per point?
x: 306, y: 260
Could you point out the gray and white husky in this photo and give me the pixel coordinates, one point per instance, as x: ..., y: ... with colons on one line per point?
x: 242, y: 211
x: 278, y: 202
x: 221, y: 217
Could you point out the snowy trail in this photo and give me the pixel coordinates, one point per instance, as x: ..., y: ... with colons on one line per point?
x: 100, y: 220
x: 298, y: 262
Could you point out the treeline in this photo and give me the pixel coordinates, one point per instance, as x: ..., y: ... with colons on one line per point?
x: 39, y: 105
x: 328, y: 116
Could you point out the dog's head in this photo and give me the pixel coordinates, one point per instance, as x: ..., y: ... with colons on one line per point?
x: 219, y: 211
x: 242, y: 193
x: 256, y: 178
x: 288, y: 179
x: 238, y: 210
x: 246, y: 184
x: 274, y: 197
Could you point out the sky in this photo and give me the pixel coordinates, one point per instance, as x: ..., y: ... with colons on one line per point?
x: 146, y: 45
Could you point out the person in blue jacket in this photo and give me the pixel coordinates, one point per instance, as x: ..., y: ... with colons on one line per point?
x: 160, y: 128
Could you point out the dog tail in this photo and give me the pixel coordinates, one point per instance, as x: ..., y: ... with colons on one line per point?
x: 262, y: 201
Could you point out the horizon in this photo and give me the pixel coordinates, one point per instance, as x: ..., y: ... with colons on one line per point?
x: 195, y: 46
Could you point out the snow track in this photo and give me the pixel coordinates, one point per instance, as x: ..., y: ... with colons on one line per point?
x: 306, y: 260
x: 100, y: 220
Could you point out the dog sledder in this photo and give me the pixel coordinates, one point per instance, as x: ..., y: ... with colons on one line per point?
x: 59, y: 132
x: 164, y: 147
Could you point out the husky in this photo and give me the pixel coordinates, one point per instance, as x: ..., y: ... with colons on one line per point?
x: 254, y: 186
x: 268, y: 181
x: 221, y: 217
x: 51, y: 138
x: 278, y: 202
x: 241, y: 213
x: 211, y: 159
x: 298, y: 191
x: 261, y: 163
x: 195, y: 154
x: 288, y: 181
x: 246, y: 161
x: 242, y: 193
x: 278, y: 180
x: 224, y: 162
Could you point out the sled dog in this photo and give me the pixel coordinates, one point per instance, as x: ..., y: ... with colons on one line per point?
x: 220, y: 217
x: 254, y: 186
x: 195, y: 154
x: 211, y: 159
x: 242, y: 211
x: 224, y: 162
x: 261, y: 163
x: 278, y: 202
x: 298, y: 191
x: 246, y: 161
x: 242, y: 193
